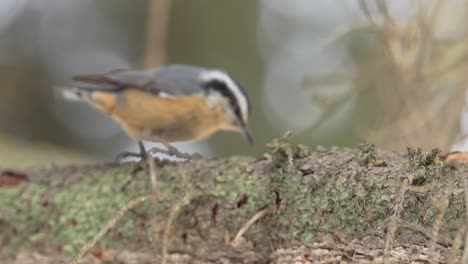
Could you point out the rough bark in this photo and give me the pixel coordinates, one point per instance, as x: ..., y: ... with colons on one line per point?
x: 325, y: 205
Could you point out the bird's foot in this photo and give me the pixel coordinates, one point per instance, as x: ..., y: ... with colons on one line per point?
x: 142, y: 156
x: 124, y: 155
x: 172, y: 151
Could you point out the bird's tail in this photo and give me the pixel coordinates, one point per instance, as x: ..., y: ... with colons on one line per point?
x: 103, y: 99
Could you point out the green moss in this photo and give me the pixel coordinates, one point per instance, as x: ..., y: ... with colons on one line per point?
x: 310, y: 199
x: 419, y: 158
x: 329, y: 195
x: 456, y: 213
x: 90, y: 204
x: 367, y: 154
x: 68, y: 216
x: 429, y: 215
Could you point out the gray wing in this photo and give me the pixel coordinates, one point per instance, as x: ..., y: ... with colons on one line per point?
x: 177, y: 80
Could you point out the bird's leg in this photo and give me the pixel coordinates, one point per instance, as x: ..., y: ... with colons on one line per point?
x: 172, y: 151
x: 143, y: 154
x: 155, y: 150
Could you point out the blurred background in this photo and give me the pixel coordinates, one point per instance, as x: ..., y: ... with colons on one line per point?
x: 393, y: 73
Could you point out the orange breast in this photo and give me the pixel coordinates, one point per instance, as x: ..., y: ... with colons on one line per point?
x: 151, y: 117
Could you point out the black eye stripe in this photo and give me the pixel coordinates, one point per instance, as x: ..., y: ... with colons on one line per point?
x: 245, y: 95
x: 222, y: 88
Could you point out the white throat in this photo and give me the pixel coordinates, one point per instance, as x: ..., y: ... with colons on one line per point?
x: 231, y: 85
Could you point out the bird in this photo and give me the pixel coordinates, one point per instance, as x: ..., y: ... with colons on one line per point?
x: 172, y: 103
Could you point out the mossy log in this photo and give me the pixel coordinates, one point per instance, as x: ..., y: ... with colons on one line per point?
x: 362, y: 197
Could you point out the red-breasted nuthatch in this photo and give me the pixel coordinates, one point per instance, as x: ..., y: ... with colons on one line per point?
x: 167, y: 104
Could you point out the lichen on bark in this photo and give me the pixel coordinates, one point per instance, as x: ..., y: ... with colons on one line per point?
x: 309, y: 194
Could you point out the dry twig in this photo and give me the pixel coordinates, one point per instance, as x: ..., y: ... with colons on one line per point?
x: 236, y: 241
x: 133, y: 203
x: 457, y: 242
x: 441, y: 205
x: 172, y: 215
x: 393, y: 225
x: 464, y: 179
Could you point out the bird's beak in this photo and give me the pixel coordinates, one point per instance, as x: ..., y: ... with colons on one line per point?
x: 247, y: 134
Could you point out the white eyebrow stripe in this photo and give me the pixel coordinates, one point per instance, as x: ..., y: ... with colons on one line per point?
x: 232, y: 86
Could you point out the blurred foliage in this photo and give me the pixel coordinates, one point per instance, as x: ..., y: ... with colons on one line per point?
x: 409, y: 83
x: 401, y: 80
x: 17, y: 153
x: 195, y: 36
x: 222, y: 34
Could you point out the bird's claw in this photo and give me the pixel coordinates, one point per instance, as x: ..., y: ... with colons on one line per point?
x: 172, y: 151
x: 124, y: 155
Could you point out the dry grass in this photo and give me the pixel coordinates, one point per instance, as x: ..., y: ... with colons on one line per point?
x: 416, y: 78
